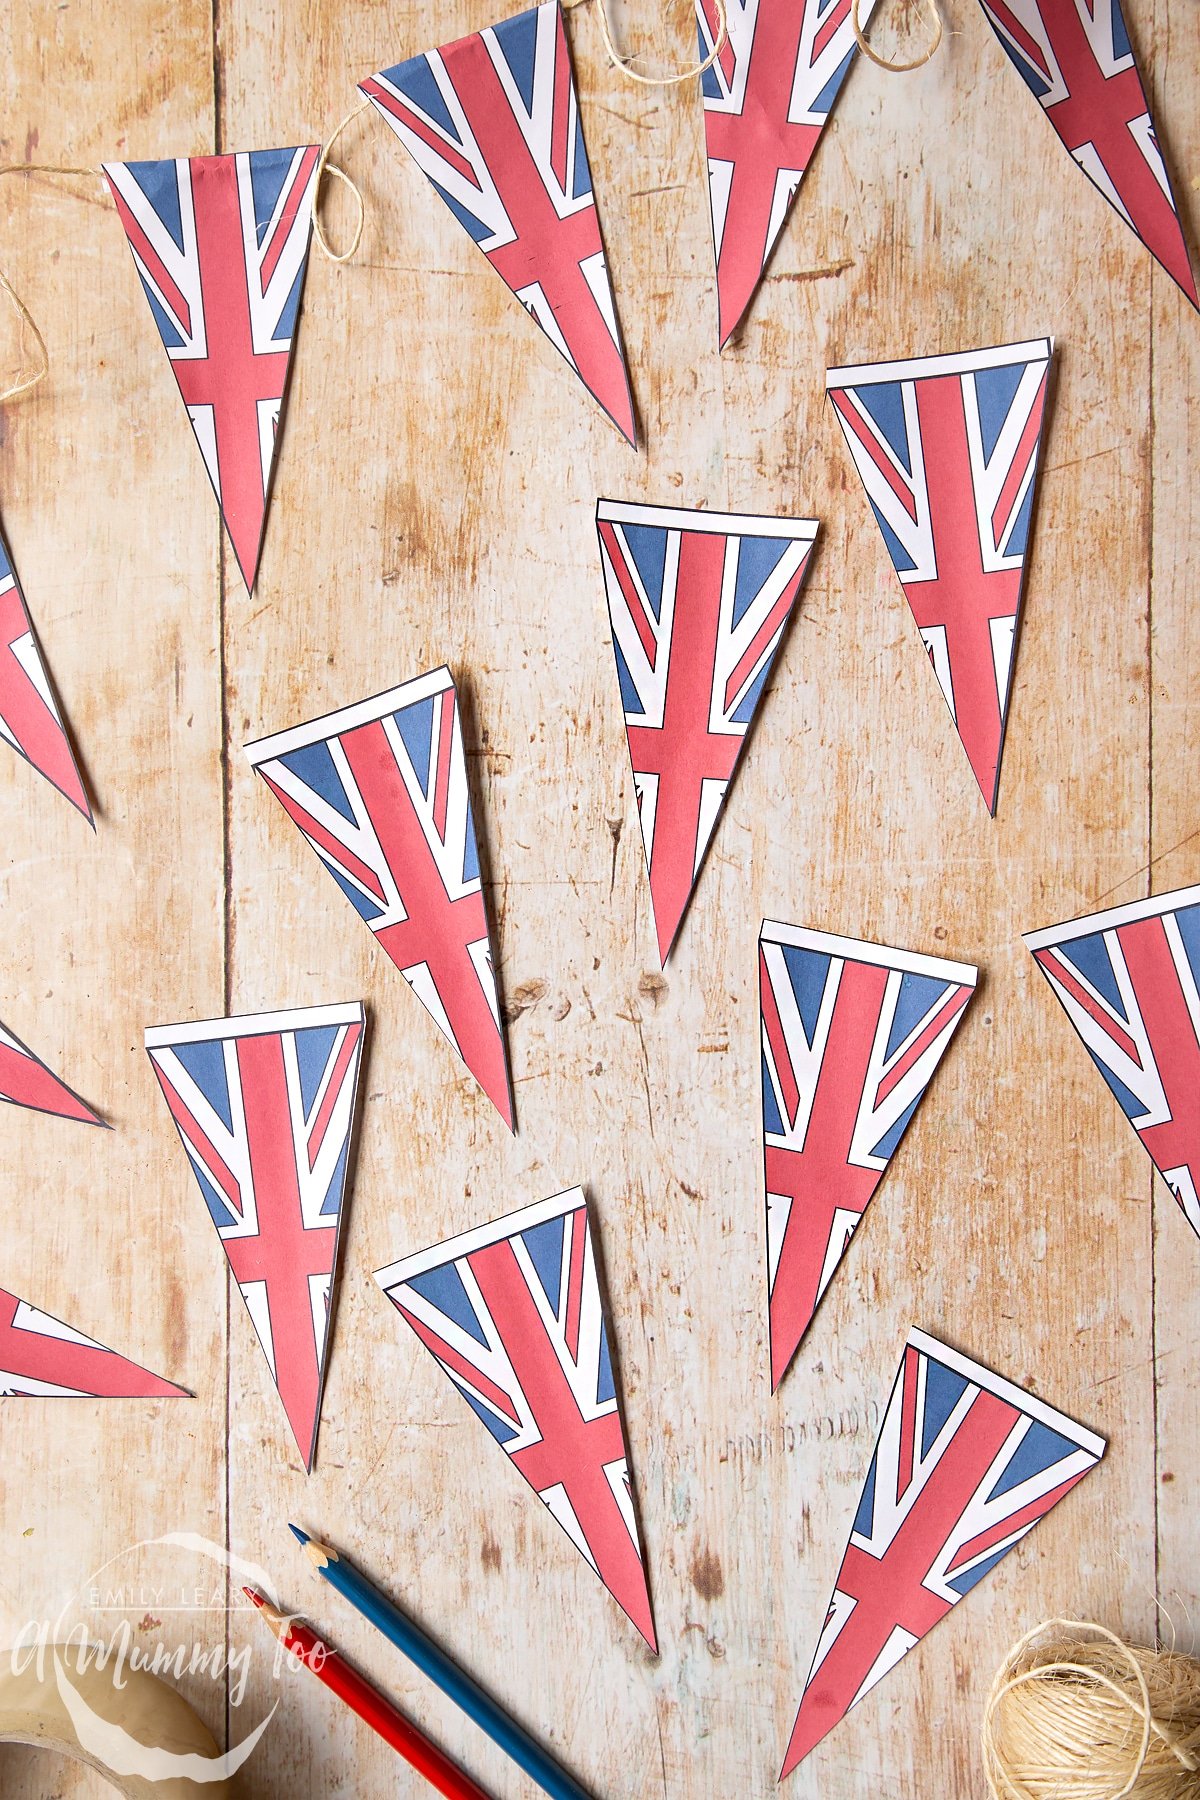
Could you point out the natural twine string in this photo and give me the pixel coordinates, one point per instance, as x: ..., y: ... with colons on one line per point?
x: 623, y: 62
x: 1070, y: 1718
x: 898, y: 68
x: 28, y: 379
x: 25, y: 383
x: 325, y: 167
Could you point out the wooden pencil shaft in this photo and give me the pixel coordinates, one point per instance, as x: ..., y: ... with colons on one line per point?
x: 365, y: 1699
x: 370, y: 1704
x: 478, y: 1705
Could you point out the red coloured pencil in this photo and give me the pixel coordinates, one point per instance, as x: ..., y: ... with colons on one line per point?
x: 364, y: 1699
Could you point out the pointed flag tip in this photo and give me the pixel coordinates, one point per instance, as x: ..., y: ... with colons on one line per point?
x: 248, y: 580
x: 629, y: 432
x: 992, y: 801
x: 780, y: 1364
x: 504, y: 1106
x: 665, y: 940
x: 802, y: 1743
x: 727, y: 328
x: 640, y: 1614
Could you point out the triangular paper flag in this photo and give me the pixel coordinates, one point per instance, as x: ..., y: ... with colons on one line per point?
x: 1129, y: 981
x: 264, y: 1107
x: 29, y: 717
x: 1077, y: 60
x: 948, y: 448
x: 380, y: 792
x: 221, y: 246
x: 493, y: 121
x: 26, y: 1081
x: 698, y: 603
x: 851, y: 1035
x: 964, y: 1466
x: 512, y: 1311
x: 40, y: 1356
x: 766, y: 100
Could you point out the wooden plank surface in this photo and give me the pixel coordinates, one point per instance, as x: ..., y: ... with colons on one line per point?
x: 434, y: 501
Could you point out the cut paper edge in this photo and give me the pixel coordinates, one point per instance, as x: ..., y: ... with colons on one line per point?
x: 347, y: 718
x: 1155, y: 906
x: 949, y: 362
x: 69, y: 780
x: 50, y: 1087
x: 42, y: 1326
x: 480, y: 1237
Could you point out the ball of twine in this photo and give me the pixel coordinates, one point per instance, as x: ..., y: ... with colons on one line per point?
x: 1075, y: 1713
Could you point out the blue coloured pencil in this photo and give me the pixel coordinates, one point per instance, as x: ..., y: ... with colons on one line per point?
x: 512, y: 1738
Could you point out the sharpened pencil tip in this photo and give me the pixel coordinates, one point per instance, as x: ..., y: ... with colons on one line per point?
x: 318, y: 1554
x: 250, y: 1594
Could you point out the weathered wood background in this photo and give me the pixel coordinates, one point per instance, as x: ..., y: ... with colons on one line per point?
x: 434, y: 501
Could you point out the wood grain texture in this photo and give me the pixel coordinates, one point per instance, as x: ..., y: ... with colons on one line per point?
x: 434, y: 502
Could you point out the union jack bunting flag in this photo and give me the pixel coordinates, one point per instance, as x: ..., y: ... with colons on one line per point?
x: 948, y: 448
x: 264, y: 1107
x: 41, y: 1357
x: 221, y: 246
x: 698, y: 603
x: 29, y: 717
x: 26, y: 1081
x: 380, y: 791
x: 851, y: 1035
x: 766, y: 100
x: 1129, y: 981
x: 964, y: 1466
x: 493, y: 122
x: 1076, y: 58
x: 512, y: 1312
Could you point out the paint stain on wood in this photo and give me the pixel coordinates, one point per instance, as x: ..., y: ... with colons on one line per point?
x: 708, y: 1577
